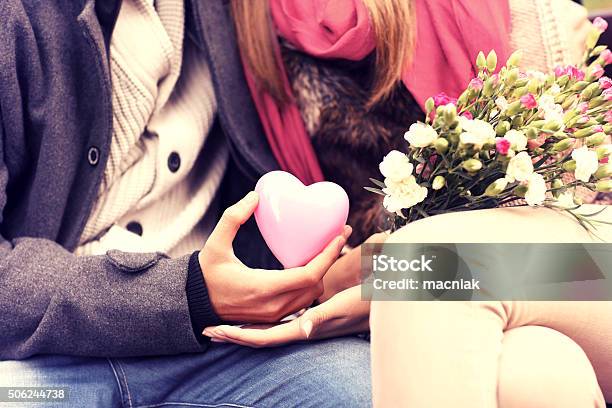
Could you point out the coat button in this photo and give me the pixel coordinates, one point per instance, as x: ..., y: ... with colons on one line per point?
x: 174, y: 162
x: 93, y: 155
x: 135, y: 228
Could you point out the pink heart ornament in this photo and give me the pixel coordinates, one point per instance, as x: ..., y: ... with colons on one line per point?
x: 298, y: 221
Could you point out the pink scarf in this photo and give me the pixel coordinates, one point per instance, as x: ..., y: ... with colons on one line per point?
x: 449, y: 35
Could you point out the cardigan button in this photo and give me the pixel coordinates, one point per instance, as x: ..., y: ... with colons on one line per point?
x: 174, y: 162
x: 93, y: 155
x: 134, y: 227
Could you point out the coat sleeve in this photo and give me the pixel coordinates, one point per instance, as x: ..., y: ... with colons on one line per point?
x: 118, y: 304
x: 52, y: 301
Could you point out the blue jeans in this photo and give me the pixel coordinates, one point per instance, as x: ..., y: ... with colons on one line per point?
x: 330, y: 373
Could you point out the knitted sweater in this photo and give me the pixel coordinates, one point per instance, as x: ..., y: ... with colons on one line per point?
x: 162, y: 172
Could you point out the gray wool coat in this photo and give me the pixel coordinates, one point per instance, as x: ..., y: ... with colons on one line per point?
x: 55, y: 132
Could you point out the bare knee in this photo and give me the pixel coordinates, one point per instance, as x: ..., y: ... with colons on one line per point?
x: 541, y: 367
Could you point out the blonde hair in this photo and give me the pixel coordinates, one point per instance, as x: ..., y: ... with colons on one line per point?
x: 394, y: 27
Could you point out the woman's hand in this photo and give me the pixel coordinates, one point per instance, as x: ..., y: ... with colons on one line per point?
x: 345, y: 313
x: 346, y: 271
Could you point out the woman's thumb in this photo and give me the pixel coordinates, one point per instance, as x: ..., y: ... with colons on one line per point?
x: 311, y: 320
x: 307, y: 326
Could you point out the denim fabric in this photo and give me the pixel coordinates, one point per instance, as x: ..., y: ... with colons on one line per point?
x: 330, y: 373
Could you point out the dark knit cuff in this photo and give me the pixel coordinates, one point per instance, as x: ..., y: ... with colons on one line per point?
x: 200, y: 309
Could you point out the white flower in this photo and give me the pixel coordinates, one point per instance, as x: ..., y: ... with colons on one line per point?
x: 539, y: 75
x: 565, y: 200
x: 420, y: 135
x: 519, y: 168
x: 536, y: 189
x: 517, y: 139
x: 404, y: 194
x: 586, y: 163
x: 396, y: 166
x: 470, y: 138
x: 546, y: 102
x: 554, y: 90
x: 501, y: 103
x: 476, y: 132
x: 555, y: 113
x: 550, y: 110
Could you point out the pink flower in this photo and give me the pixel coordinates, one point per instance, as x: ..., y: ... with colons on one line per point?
x: 605, y: 82
x: 560, y: 71
x: 583, y: 119
x: 606, y: 56
x: 598, y: 128
x: 582, y: 107
x: 468, y: 115
x: 597, y: 71
x: 571, y: 70
x: 576, y: 73
x: 607, y: 94
x: 476, y: 84
x: 608, y: 116
x: 442, y: 99
x: 502, y: 145
x: 600, y: 24
x: 604, y: 160
x: 529, y: 101
x: 429, y: 168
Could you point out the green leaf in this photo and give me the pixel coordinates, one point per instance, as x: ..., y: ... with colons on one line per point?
x: 595, y: 213
x: 378, y: 183
x: 375, y: 191
x: 583, y: 222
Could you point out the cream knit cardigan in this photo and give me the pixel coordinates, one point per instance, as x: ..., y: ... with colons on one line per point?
x: 550, y: 32
x: 163, y: 105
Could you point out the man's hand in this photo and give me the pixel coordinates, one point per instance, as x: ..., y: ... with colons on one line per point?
x: 343, y: 314
x: 346, y: 271
x: 242, y: 294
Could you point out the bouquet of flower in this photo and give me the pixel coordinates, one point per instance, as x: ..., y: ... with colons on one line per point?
x: 511, y: 136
